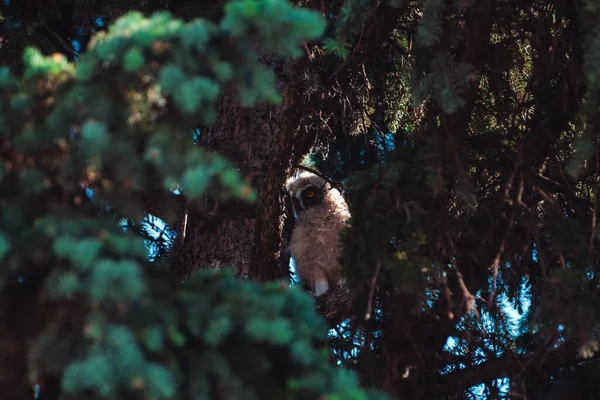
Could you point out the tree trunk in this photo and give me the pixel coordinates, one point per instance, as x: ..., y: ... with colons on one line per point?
x: 264, y: 143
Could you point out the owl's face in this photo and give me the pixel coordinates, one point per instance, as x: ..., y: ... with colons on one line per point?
x: 307, y: 191
x: 310, y: 196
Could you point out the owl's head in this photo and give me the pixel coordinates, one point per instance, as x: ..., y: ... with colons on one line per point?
x: 308, y: 190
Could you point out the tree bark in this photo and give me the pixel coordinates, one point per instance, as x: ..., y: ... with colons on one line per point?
x: 264, y: 143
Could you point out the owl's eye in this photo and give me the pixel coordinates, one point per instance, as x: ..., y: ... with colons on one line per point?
x: 310, y: 193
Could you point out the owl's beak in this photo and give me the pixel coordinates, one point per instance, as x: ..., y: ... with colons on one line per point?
x: 298, y: 204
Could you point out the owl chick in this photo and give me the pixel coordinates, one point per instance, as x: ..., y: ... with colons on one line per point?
x: 321, y: 214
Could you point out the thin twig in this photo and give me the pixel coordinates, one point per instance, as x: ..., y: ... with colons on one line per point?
x: 64, y: 44
x: 545, y: 195
x: 561, y: 258
x: 499, y: 253
x: 372, y: 291
x: 448, y: 296
x: 467, y: 295
x: 308, y: 53
x: 509, y: 183
x: 596, y: 201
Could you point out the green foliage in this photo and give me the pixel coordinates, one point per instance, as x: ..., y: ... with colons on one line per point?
x: 439, y: 75
x: 348, y: 26
x: 281, y: 32
x: 118, y: 123
x: 485, y: 200
x: 334, y: 47
x: 372, y: 222
x: 4, y: 245
x: 39, y: 66
x: 431, y: 24
x: 94, y: 138
x: 473, y: 126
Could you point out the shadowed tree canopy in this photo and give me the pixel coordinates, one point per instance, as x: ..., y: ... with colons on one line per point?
x: 464, y: 134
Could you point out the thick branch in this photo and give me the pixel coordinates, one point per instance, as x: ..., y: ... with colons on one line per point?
x: 334, y: 305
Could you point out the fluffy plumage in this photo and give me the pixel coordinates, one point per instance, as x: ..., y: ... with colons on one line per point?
x: 321, y: 214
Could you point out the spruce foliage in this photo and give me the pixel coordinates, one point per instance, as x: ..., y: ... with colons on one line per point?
x: 79, y: 144
x: 486, y: 200
x: 465, y: 134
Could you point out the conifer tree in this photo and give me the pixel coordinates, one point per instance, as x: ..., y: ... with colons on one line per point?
x: 463, y: 133
x: 85, y: 315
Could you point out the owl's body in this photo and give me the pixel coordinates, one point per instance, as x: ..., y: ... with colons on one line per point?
x: 321, y: 213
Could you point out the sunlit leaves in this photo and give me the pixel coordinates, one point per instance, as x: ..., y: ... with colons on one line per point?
x: 588, y: 349
x: 39, y: 65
